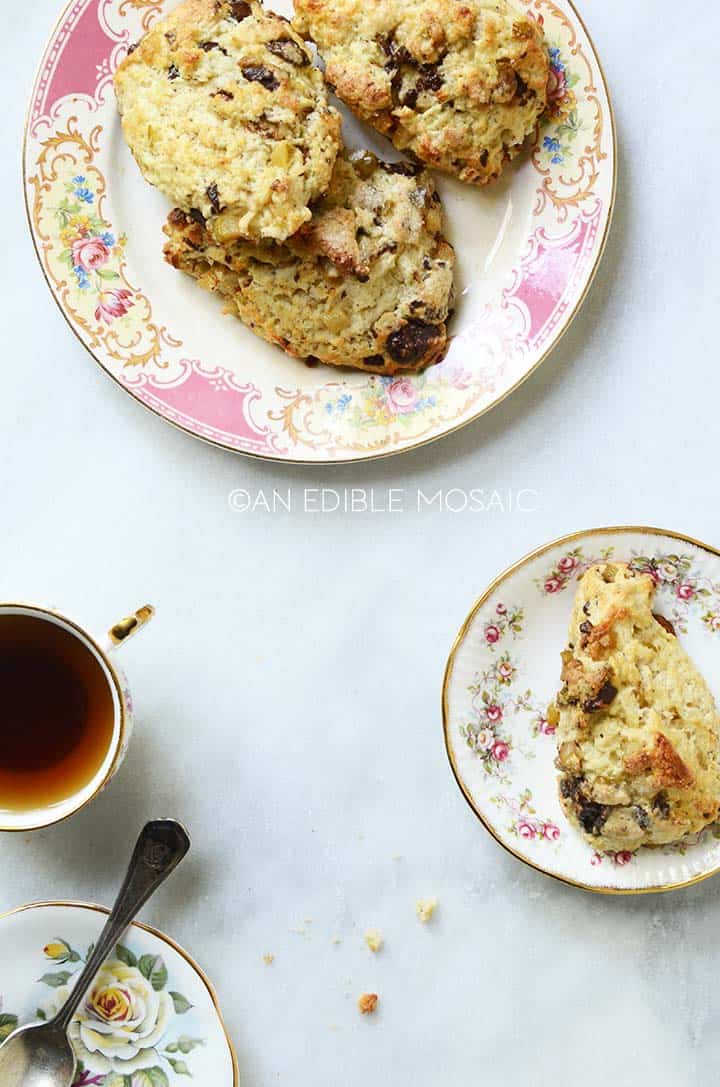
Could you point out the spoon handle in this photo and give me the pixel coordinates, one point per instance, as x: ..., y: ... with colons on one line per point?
x: 161, y: 846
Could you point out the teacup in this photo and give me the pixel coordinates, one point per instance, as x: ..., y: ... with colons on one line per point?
x: 66, y: 713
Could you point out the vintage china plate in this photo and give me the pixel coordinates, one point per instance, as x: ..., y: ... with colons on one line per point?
x: 181, y: 1031
x: 527, y: 251
x: 503, y: 672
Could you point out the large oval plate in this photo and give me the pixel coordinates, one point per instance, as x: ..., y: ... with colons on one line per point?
x: 504, y: 670
x: 180, y: 1032
x: 527, y: 251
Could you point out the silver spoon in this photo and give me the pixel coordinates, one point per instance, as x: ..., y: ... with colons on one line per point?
x: 41, y: 1055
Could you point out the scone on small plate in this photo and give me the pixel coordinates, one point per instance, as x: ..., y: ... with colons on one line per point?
x: 227, y: 116
x: 459, y: 84
x: 637, y: 727
x: 367, y: 283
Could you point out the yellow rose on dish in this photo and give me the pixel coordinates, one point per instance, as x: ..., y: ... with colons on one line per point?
x: 122, y: 1021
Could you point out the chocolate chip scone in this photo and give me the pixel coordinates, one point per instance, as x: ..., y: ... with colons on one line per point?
x: 638, y: 729
x: 460, y: 84
x: 367, y: 283
x: 225, y: 113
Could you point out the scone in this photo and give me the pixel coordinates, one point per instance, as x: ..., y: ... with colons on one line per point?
x: 225, y: 114
x: 638, y: 729
x: 367, y: 283
x: 460, y: 84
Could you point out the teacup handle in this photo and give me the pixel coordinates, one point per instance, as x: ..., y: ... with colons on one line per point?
x: 125, y: 629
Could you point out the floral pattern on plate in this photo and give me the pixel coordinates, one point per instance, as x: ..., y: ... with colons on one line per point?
x: 671, y: 571
x: 504, y: 670
x: 126, y: 1033
x: 97, y: 231
x: 149, y: 1019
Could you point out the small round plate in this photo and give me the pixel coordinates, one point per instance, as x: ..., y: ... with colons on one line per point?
x: 527, y: 251
x: 504, y: 670
x: 179, y: 1031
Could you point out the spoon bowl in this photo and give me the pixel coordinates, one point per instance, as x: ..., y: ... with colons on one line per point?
x: 37, y: 1056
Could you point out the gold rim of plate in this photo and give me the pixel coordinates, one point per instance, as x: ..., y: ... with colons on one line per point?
x: 571, y: 537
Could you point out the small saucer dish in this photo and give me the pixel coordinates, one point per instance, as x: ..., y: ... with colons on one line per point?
x: 151, y: 1019
x: 504, y: 670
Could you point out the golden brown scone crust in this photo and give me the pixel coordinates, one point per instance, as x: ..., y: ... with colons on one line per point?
x: 225, y: 113
x: 368, y: 283
x: 638, y: 729
x: 460, y: 84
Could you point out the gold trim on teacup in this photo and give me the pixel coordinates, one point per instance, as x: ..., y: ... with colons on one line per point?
x: 122, y: 731
x: 92, y: 906
x: 462, y: 634
x: 378, y: 455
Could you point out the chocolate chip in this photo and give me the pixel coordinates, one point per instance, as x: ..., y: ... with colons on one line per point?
x: 171, y: 37
x: 586, y: 627
x: 197, y: 216
x: 586, y: 607
x: 642, y: 817
x: 661, y: 804
x: 207, y: 47
x: 257, y: 73
x: 412, y: 342
x: 405, y: 169
x: 214, y: 197
x: 132, y: 48
x: 429, y: 79
x: 592, y: 816
x: 523, y: 92
x: 397, y: 54
x: 177, y: 217
x: 570, y: 786
x: 665, y: 624
x: 602, y: 699
x: 484, y: 156
x: 427, y: 264
x: 289, y: 51
x: 240, y: 10
x: 312, y: 361
x: 173, y: 72
x: 223, y: 94
x: 374, y: 360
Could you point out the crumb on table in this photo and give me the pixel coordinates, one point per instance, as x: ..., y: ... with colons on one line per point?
x: 374, y: 940
x: 367, y: 1003
x: 425, y: 908
x: 269, y: 958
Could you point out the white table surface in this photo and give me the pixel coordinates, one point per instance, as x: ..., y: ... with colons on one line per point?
x: 288, y: 689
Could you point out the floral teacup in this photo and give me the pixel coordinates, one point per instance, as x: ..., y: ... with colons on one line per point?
x: 87, y: 652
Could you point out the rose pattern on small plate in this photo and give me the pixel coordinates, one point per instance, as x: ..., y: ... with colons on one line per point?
x: 505, y: 621
x: 497, y: 688
x: 681, y: 586
x: 127, y: 1032
x: 494, y: 704
x: 525, y: 822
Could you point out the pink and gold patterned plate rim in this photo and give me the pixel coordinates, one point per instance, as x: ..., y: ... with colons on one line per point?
x: 568, y: 543
x: 80, y: 241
